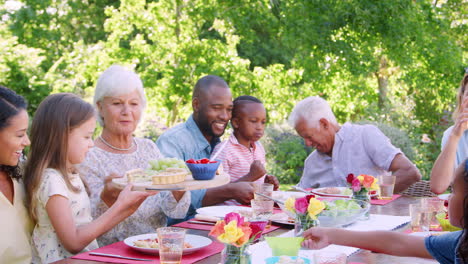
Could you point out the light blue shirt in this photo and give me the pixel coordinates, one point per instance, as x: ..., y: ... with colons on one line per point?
x: 462, y: 147
x: 186, y: 141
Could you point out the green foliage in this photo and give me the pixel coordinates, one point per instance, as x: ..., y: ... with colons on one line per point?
x: 286, y: 153
x: 392, y: 61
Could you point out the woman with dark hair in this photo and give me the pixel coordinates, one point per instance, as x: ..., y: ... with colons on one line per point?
x: 16, y: 225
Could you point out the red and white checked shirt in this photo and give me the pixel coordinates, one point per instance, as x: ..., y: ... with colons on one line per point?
x: 237, y: 158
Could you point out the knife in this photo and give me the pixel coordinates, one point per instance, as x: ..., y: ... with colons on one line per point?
x: 201, y: 222
x: 117, y: 256
x: 271, y: 198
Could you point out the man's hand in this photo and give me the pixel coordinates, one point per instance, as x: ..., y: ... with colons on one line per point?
x: 243, y: 192
x: 257, y: 170
x: 273, y: 180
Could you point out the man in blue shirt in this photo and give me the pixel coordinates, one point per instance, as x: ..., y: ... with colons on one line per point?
x: 197, y: 137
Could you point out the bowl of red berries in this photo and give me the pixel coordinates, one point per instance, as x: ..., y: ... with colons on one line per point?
x: 203, y: 169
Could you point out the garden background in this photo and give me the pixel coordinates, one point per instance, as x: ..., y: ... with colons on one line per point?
x: 396, y: 63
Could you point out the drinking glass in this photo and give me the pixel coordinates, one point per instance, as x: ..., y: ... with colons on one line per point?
x: 171, y: 244
x: 262, y: 209
x: 434, y: 206
x: 420, y: 218
x: 265, y: 189
x: 386, y: 185
x: 330, y: 257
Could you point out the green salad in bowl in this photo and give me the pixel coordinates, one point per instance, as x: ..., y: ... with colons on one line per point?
x: 340, y: 212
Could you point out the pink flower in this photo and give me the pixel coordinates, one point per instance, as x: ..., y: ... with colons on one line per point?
x: 350, y: 178
x: 234, y: 217
x: 301, y: 205
x: 257, y: 228
x: 356, y: 185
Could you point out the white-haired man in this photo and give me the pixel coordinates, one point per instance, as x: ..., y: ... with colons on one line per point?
x: 350, y: 148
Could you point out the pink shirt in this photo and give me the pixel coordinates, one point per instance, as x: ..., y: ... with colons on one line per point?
x: 237, y: 158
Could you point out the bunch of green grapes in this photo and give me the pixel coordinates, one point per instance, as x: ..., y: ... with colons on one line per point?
x: 162, y: 164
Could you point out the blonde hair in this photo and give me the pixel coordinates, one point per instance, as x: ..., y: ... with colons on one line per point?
x: 311, y: 109
x: 461, y: 91
x: 53, y: 121
x: 117, y: 80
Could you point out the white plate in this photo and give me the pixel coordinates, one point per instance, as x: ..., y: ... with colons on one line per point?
x: 444, y: 196
x: 320, y: 192
x: 222, y: 210
x: 342, y: 190
x: 197, y: 242
x: 283, y: 195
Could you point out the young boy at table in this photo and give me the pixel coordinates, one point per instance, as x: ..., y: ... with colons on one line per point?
x: 242, y: 155
x: 448, y: 248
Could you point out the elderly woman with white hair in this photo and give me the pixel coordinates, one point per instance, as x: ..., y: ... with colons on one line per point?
x: 350, y: 148
x: 120, y: 101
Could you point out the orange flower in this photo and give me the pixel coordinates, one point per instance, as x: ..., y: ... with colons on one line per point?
x: 247, y: 232
x: 368, y: 181
x: 218, y: 229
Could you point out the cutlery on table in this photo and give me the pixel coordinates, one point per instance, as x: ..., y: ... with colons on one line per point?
x: 116, y: 256
x: 304, y: 191
x: 271, y: 198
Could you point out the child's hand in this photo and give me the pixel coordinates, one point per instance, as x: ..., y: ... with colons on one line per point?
x: 273, y: 180
x: 129, y: 200
x: 257, y: 170
x: 315, y: 238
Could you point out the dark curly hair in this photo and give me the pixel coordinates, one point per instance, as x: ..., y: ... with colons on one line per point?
x: 10, y: 105
x: 241, y: 100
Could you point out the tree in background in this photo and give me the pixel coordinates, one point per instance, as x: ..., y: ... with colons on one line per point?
x: 391, y: 61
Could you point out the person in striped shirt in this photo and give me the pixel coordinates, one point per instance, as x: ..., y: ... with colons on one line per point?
x: 242, y: 155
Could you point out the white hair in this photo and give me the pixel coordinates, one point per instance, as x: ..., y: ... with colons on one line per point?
x: 311, y: 110
x: 115, y: 81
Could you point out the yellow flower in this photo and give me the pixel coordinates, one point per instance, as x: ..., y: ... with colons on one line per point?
x: 231, y: 233
x: 289, y: 204
x: 374, y: 185
x: 315, y: 207
x: 360, y: 178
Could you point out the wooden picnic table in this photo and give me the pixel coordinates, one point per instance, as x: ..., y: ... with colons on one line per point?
x: 397, y: 207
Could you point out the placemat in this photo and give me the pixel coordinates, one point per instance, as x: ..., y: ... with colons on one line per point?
x: 188, y: 225
x: 384, y: 202
x: 120, y: 248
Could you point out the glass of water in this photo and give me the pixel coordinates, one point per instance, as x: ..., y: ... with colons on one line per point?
x: 171, y: 244
x: 262, y: 209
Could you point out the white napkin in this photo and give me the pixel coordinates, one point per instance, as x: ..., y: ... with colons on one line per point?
x: 261, y: 250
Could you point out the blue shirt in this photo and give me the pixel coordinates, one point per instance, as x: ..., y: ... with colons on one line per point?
x: 444, y: 248
x: 186, y: 141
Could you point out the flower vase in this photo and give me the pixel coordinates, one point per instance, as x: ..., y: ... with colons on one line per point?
x: 302, y: 223
x: 363, y: 195
x: 235, y: 255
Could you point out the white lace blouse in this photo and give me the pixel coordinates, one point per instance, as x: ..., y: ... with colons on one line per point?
x: 152, y: 212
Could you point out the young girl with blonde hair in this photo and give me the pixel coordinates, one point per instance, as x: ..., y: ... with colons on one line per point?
x: 61, y: 135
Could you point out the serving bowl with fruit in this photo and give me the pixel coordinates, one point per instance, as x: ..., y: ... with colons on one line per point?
x: 203, y: 169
